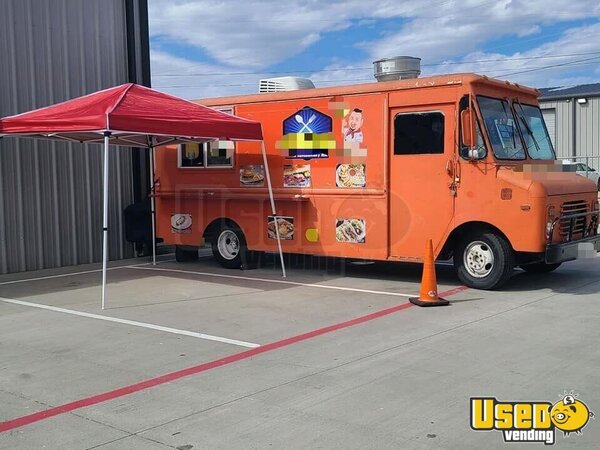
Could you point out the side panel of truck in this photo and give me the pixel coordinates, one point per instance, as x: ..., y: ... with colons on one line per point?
x: 322, y: 207
x: 325, y: 204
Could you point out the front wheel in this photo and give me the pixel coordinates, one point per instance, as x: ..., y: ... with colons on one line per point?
x: 540, y: 267
x: 484, y: 260
x: 229, y: 247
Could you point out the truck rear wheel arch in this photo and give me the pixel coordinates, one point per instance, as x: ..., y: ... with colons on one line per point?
x: 213, y: 228
x: 221, y: 234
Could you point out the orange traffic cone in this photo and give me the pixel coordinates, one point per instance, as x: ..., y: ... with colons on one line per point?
x: 429, y: 292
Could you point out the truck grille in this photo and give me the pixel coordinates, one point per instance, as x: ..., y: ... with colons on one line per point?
x: 579, y: 224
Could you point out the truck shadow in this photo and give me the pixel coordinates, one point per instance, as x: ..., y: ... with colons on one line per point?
x: 563, y: 281
x: 332, y: 268
x: 574, y: 279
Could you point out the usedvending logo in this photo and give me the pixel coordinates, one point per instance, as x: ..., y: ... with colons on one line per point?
x: 530, y: 421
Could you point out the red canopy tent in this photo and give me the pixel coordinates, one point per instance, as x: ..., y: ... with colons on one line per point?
x: 133, y: 115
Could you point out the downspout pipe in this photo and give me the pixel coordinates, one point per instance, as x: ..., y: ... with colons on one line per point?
x: 574, y: 127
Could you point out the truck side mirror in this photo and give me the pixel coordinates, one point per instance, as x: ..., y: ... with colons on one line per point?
x: 467, y: 128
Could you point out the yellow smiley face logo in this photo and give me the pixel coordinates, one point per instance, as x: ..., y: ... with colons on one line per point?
x: 570, y: 415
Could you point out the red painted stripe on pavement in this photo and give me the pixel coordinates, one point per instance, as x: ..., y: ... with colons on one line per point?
x: 454, y: 291
x: 152, y: 382
x: 110, y: 395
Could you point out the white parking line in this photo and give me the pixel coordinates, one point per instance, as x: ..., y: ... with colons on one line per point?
x: 268, y: 280
x: 132, y: 322
x: 25, y: 280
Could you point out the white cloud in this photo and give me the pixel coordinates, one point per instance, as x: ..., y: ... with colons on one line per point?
x: 580, y: 66
x: 249, y: 36
x: 242, y: 34
x: 580, y: 43
x: 195, y: 80
x: 259, y: 33
x: 451, y: 31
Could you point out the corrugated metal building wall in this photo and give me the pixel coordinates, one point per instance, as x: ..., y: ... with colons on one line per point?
x: 576, y: 125
x: 51, y: 192
x: 588, y: 131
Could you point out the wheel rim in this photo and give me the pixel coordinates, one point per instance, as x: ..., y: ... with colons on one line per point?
x: 478, y: 259
x: 228, y: 244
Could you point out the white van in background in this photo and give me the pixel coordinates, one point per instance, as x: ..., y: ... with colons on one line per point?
x: 583, y: 170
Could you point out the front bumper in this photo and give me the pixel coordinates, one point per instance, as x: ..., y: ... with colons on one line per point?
x: 569, y: 251
x: 585, y: 247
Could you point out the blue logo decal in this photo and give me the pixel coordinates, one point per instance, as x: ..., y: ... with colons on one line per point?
x: 307, y: 120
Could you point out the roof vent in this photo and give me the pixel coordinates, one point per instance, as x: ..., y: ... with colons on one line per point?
x: 282, y: 84
x: 397, y: 68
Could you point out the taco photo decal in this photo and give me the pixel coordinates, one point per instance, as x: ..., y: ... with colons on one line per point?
x: 350, y: 230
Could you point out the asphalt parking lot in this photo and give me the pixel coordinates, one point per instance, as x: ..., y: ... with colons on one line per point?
x: 192, y: 356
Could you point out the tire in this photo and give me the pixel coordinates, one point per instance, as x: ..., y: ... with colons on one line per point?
x: 185, y: 255
x: 229, y: 246
x: 484, y: 260
x: 540, y: 267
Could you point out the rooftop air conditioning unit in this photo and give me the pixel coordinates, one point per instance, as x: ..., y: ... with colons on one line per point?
x: 282, y: 84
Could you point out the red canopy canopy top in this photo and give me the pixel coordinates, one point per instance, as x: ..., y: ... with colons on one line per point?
x: 135, y: 116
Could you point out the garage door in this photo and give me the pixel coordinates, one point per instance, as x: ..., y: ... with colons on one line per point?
x: 550, y: 119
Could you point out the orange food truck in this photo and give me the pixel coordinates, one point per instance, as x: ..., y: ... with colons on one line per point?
x: 372, y: 171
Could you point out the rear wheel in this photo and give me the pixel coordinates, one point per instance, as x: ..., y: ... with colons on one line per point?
x: 540, y: 267
x: 484, y: 260
x: 229, y: 246
x: 183, y: 254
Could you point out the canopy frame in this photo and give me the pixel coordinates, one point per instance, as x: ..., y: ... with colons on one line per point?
x: 140, y: 117
x: 151, y: 147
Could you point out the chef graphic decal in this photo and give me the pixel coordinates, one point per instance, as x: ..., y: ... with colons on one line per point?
x: 352, y: 126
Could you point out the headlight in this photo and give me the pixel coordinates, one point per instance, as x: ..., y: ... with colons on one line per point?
x: 551, y: 217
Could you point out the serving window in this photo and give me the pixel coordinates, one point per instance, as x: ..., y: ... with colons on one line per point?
x: 191, y: 155
x: 206, y: 154
x: 210, y: 154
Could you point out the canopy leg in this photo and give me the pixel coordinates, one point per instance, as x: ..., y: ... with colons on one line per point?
x: 105, y: 219
x: 264, y: 154
x: 152, y: 206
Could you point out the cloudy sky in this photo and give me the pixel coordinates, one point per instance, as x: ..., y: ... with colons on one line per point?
x: 209, y: 48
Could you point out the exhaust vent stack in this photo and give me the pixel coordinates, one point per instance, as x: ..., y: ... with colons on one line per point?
x: 397, y: 68
x: 283, y: 84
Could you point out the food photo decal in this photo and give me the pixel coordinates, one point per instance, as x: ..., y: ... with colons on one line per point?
x: 296, y: 175
x: 285, y: 225
x: 350, y: 230
x: 181, y: 223
x: 350, y: 175
x: 252, y: 175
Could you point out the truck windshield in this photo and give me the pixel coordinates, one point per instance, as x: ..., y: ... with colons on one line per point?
x: 534, y: 131
x: 500, y: 125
